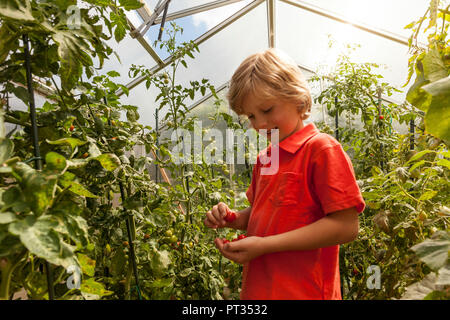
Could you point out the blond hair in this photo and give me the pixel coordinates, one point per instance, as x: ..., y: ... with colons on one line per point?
x: 269, y: 74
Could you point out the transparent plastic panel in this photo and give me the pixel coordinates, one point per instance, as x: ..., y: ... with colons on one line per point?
x: 217, y: 60
x: 305, y: 36
x: 387, y: 15
x: 194, y: 25
x: 130, y: 52
x: 177, y: 5
x: 144, y: 99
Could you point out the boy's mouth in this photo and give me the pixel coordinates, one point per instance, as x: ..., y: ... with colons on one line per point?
x: 269, y: 132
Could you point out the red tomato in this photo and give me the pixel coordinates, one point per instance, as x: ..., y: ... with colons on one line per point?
x: 71, y: 127
x: 225, y: 241
x: 242, y: 236
x: 381, y: 117
x: 230, y: 217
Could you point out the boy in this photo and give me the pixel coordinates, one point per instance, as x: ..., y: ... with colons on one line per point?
x: 301, y: 214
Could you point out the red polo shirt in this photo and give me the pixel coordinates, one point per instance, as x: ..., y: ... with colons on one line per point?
x: 315, y: 177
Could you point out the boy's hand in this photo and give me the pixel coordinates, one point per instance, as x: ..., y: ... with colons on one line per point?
x: 217, y: 216
x: 241, y: 251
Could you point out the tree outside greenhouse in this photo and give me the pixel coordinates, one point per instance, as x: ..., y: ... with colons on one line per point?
x: 95, y: 205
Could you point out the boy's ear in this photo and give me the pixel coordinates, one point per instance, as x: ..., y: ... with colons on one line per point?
x: 306, y: 114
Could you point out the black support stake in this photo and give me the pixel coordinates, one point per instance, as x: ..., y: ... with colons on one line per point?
x: 336, y: 118
x: 157, y: 144
x: 380, y: 124
x: 130, y: 240
x: 37, y: 152
x: 411, y: 131
x: 129, y: 221
x: 163, y: 21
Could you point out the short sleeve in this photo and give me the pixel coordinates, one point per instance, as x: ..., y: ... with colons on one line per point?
x: 334, y: 180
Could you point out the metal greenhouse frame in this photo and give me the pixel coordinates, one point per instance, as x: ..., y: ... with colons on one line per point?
x: 154, y: 17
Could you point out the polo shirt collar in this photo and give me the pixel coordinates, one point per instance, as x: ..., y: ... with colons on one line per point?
x: 295, y: 141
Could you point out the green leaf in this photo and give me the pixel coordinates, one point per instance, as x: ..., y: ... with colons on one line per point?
x: 121, y: 24
x: 16, y: 10
x: 76, y: 163
x: 67, y: 180
x: 161, y: 283
x: 417, y: 96
x: 37, y: 187
x: 109, y: 161
x: 6, y: 150
x: 130, y: 4
x: 434, y: 252
x: 419, y: 155
x: 55, y: 161
x: 21, y: 93
x: 7, y: 217
x: 443, y: 163
x: 160, y: 261
x: 444, y: 275
x: 118, y: 263
x: 433, y: 67
x: 417, y: 164
x: 428, y: 195
x: 73, y: 225
x: 9, y: 41
x: 40, y: 238
x: 87, y: 264
x: 93, y: 150
x: 437, y: 119
x: 113, y: 73
x: 92, y: 287
x: 72, y: 142
x: 70, y: 50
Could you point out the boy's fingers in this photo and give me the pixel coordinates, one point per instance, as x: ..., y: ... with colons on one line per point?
x: 210, y: 220
x: 223, y: 209
x: 209, y: 224
x: 216, y: 213
x: 231, y: 255
x: 233, y: 246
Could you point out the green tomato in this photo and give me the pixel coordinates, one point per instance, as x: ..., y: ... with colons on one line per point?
x: 164, y: 247
x: 169, y: 233
x: 173, y: 239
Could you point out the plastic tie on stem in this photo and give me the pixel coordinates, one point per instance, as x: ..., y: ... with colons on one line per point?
x: 136, y: 287
x: 32, y: 159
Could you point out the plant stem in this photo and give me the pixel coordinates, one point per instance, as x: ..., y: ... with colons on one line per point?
x: 406, y: 193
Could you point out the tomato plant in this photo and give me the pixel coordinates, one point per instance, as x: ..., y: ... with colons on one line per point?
x: 406, y: 189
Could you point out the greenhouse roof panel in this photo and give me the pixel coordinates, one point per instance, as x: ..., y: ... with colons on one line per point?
x: 216, y: 61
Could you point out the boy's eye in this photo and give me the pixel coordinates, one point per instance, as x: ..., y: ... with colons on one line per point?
x: 267, y: 111
x: 250, y: 116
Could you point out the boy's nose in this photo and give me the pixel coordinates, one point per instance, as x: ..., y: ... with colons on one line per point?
x: 260, y: 124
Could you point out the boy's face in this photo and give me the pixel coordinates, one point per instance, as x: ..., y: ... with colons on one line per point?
x: 273, y: 114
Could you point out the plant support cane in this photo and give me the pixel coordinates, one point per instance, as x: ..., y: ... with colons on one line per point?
x: 336, y: 118
x: 131, y: 229
x: 37, y: 153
